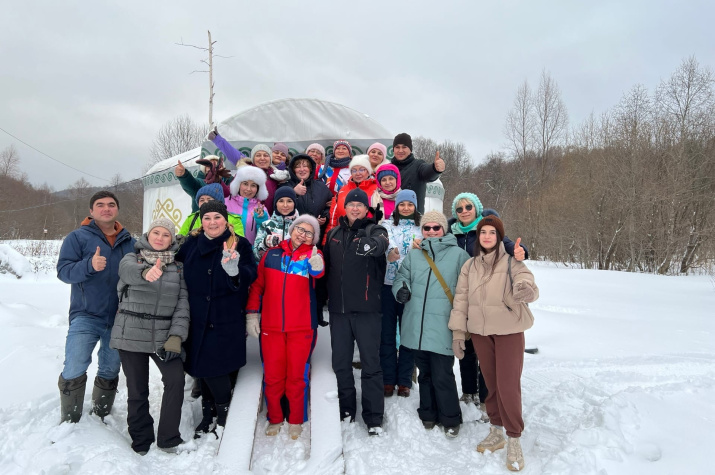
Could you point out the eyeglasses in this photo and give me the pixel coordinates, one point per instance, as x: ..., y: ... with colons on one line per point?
x: 354, y: 204
x: 466, y: 207
x: 432, y: 228
x: 358, y: 170
x: 307, y: 234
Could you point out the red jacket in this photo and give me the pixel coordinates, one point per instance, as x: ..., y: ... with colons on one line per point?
x: 284, y: 292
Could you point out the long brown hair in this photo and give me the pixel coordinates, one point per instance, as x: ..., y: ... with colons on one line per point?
x: 479, y: 250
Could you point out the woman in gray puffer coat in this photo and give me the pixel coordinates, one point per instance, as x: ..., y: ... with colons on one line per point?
x: 152, y: 322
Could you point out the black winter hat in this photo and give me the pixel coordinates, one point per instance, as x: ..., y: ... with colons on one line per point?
x: 403, y: 139
x: 213, y: 206
x: 283, y: 192
x: 356, y: 195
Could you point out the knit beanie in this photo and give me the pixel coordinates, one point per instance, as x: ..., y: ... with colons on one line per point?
x: 213, y: 207
x: 281, y: 147
x: 213, y: 190
x: 343, y: 142
x: 434, y: 217
x: 403, y: 139
x: 356, y: 195
x: 471, y: 197
x: 380, y: 147
x: 306, y: 218
x: 316, y: 146
x: 406, y: 195
x: 253, y: 174
x: 283, y: 192
x: 360, y: 161
x: 261, y: 147
x: 492, y: 220
x: 165, y: 223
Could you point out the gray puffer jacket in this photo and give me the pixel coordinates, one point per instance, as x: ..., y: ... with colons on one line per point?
x: 164, y: 304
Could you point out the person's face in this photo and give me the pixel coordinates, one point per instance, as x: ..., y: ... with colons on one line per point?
x: 214, y: 224
x: 278, y: 157
x: 261, y: 159
x: 429, y: 231
x: 341, y: 151
x: 302, y: 234
x: 355, y: 210
x: 401, y: 151
x: 159, y: 238
x: 359, y: 174
x: 405, y: 208
x: 316, y: 155
x: 248, y: 189
x: 388, y: 182
x: 488, y: 237
x: 302, y: 169
x: 285, y: 206
x: 376, y: 157
x: 466, y: 212
x: 204, y: 199
x: 104, y: 211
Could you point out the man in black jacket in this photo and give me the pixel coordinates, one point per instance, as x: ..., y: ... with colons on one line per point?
x: 414, y: 173
x: 355, y: 266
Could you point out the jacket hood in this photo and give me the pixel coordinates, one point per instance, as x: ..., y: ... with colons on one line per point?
x: 439, y: 244
x: 302, y: 156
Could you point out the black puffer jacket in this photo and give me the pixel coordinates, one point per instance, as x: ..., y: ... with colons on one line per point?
x: 316, y: 200
x: 415, y: 174
x: 355, y: 266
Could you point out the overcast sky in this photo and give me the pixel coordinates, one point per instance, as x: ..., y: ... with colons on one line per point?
x: 90, y: 83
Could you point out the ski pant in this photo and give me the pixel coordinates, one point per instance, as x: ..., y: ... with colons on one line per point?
x: 218, y: 388
x: 502, y: 360
x: 396, y: 370
x: 439, y: 400
x: 82, y: 336
x: 472, y: 377
x: 365, y: 329
x: 286, y: 370
x: 140, y: 422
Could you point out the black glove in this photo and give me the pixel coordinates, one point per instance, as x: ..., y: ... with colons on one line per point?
x: 213, y: 133
x: 403, y: 295
x: 170, y: 355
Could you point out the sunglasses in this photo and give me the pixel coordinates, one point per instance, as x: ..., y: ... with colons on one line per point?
x: 467, y: 207
x: 432, y: 228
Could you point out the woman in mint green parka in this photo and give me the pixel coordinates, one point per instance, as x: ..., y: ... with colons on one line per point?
x: 425, y: 318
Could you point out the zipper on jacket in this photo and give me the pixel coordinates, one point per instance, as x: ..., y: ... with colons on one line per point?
x: 156, y: 309
x: 283, y: 300
x: 424, y: 302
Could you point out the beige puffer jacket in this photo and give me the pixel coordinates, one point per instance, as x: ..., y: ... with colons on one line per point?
x: 486, y: 306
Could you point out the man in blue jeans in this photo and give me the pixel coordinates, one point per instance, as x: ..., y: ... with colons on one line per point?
x: 89, y: 260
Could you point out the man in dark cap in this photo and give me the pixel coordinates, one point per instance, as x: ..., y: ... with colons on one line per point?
x: 414, y: 173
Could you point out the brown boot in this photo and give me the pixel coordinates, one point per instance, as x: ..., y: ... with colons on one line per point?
x: 389, y: 390
x: 403, y: 391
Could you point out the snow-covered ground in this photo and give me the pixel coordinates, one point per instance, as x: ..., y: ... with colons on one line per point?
x: 624, y: 382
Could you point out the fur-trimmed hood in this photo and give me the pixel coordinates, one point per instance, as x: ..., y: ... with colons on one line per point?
x: 254, y: 174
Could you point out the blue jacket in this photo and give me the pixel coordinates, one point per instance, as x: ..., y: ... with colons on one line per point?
x: 93, y: 293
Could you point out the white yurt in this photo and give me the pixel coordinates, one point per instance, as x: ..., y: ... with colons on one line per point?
x: 295, y: 122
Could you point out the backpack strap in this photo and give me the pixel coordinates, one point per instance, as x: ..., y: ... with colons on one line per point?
x: 437, y: 274
x: 508, y: 270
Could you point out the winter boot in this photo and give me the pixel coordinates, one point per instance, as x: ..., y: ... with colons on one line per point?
x: 103, y: 395
x: 451, y: 432
x: 294, y: 430
x: 204, y: 427
x: 467, y: 398
x: 403, y: 391
x: 483, y: 417
x: 196, y: 389
x: 273, y: 429
x: 222, y: 414
x: 514, y: 455
x: 494, y: 441
x: 389, y: 390
x: 71, y: 398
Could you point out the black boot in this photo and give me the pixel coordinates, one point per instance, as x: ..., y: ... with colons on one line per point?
x: 103, y: 395
x: 222, y: 413
x: 71, y: 398
x: 207, y: 408
x: 196, y: 389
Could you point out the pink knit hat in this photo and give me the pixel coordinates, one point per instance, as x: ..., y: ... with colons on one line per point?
x: 378, y: 146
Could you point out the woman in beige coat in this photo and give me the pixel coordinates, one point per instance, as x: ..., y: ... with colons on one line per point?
x: 490, y: 304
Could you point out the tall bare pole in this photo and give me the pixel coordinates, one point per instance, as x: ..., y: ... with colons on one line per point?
x: 211, y: 82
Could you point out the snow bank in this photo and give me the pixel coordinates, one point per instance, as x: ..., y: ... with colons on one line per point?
x: 12, y: 262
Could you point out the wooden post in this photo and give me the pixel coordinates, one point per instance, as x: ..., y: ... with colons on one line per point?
x: 211, y: 83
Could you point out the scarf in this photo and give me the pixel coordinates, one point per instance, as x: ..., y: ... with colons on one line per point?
x: 469, y: 227
x: 167, y: 257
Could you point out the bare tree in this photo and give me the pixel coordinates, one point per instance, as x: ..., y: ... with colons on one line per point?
x: 551, y: 118
x: 9, y: 162
x: 520, y: 122
x: 176, y: 136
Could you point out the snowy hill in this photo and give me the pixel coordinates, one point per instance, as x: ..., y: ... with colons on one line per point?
x: 624, y: 383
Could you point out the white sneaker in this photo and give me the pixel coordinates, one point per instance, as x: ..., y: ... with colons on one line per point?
x: 514, y: 455
x: 294, y: 430
x: 273, y: 429
x: 494, y: 441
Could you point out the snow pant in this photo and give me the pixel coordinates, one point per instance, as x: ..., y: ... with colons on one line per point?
x: 286, y: 371
x: 439, y: 400
x: 365, y: 329
x: 396, y: 370
x: 140, y: 422
x: 83, y: 334
x: 472, y: 378
x: 217, y: 388
x: 502, y: 360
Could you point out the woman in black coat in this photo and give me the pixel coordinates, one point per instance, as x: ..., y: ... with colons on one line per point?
x: 313, y: 196
x: 218, y: 268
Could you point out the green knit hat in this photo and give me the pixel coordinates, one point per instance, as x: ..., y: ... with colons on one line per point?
x: 470, y: 197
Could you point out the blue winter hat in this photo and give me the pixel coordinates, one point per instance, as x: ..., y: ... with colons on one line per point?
x: 284, y: 192
x: 469, y: 197
x: 213, y: 190
x: 406, y: 195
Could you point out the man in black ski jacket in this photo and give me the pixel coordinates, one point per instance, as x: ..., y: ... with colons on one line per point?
x: 414, y: 173
x: 355, y: 266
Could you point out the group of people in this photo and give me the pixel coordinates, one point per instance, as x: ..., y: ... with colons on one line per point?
x: 263, y: 252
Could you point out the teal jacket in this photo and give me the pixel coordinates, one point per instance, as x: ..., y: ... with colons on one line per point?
x: 426, y: 314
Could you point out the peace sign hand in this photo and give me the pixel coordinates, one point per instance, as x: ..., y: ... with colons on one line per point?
x: 229, y: 260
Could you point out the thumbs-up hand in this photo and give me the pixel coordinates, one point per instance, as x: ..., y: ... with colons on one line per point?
x: 229, y: 261
x: 154, y: 272
x: 316, y: 260
x: 98, y: 262
x: 519, y: 253
x: 438, y: 163
x: 300, y: 188
x: 214, y: 132
x: 179, y: 169
x: 393, y: 255
x: 404, y: 294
